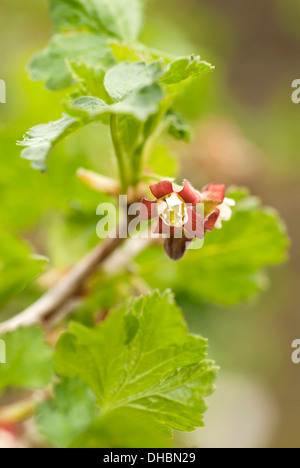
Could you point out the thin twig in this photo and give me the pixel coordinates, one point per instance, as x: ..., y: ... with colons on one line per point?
x: 119, y: 260
x: 56, y: 298
x: 22, y: 410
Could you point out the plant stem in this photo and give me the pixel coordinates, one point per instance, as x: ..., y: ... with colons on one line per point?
x: 50, y: 304
x: 150, y: 143
x: 57, y: 302
x: 137, y: 165
x: 143, y: 152
x: 119, y: 152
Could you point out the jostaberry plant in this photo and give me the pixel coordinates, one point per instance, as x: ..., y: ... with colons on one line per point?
x: 131, y: 378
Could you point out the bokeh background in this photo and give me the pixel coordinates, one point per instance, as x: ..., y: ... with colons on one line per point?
x: 247, y: 132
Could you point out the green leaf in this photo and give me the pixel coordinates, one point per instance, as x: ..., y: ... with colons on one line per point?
x: 139, y: 104
x: 138, y: 52
x: 185, y: 67
x: 29, y: 360
x: 51, y: 64
x: 90, y: 79
x: 142, y: 359
x: 127, y: 53
x: 125, y: 78
x: 42, y: 139
x: 171, y: 69
x: 229, y: 268
x: 177, y: 126
x: 68, y: 415
x: 88, y: 107
x: 71, y: 419
x: 70, y: 15
x: 18, y: 267
x: 119, y: 430
x: 119, y: 18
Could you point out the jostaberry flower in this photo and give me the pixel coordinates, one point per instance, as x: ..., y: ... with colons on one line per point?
x: 177, y: 218
x: 175, y: 215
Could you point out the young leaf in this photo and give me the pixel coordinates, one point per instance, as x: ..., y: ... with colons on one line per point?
x: 185, y: 67
x: 142, y: 359
x: 41, y: 140
x: 72, y: 15
x: 125, y: 78
x: 177, y: 126
x: 51, y: 64
x: 137, y: 53
x: 127, y: 53
x: 139, y: 104
x: 69, y: 414
x: 90, y: 78
x: 119, y: 18
x: 29, y: 360
x: 229, y: 267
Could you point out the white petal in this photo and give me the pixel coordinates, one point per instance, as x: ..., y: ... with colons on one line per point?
x: 174, y: 200
x: 161, y: 206
x: 225, y: 212
x: 218, y: 224
x: 229, y: 201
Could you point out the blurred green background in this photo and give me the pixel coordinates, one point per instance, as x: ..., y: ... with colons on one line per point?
x: 246, y: 133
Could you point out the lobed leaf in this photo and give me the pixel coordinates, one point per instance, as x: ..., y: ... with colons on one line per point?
x: 177, y: 126
x: 71, y: 419
x: 41, y: 140
x: 139, y: 104
x: 126, y: 77
x: 119, y: 18
x: 185, y: 67
x: 51, y: 64
x: 89, y: 78
x: 120, y: 430
x: 142, y: 359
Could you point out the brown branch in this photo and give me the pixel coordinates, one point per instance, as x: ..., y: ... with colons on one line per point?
x: 119, y: 260
x: 45, y: 308
x: 22, y: 410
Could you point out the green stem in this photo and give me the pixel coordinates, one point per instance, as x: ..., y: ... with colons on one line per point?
x: 142, y: 153
x: 147, y: 147
x: 119, y: 152
x: 137, y: 164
